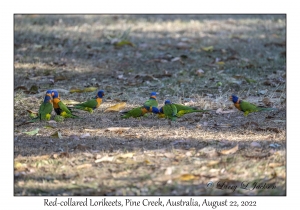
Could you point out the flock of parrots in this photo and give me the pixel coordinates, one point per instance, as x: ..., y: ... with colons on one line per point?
x: 169, y: 110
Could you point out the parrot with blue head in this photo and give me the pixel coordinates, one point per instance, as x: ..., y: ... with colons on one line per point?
x: 91, y: 104
x: 45, y: 108
x: 59, y: 107
x: 168, y: 111
x: 139, y: 112
x: 151, y: 102
x: 149, y: 106
x: 247, y: 107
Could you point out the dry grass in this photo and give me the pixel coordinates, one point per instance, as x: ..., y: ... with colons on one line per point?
x: 153, y: 156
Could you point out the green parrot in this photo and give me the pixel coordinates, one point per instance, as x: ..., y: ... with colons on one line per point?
x: 92, y: 104
x: 45, y: 108
x: 168, y: 111
x: 60, y: 108
x: 149, y: 106
x: 247, y: 107
x: 151, y: 102
x: 135, y: 112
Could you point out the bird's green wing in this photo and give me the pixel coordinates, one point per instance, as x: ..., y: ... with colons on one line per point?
x: 183, y: 112
x: 64, y: 107
x: 135, y: 112
x: 65, y: 111
x: 151, y: 102
x: 44, y: 110
x: 246, y: 106
x: 90, y: 104
x: 182, y: 107
x: 249, y: 107
x: 170, y: 111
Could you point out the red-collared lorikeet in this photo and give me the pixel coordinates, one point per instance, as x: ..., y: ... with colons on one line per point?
x: 45, y: 108
x: 151, y: 102
x: 149, y: 106
x: 92, y: 104
x: 135, y: 112
x: 168, y: 111
x: 59, y: 107
x: 247, y: 107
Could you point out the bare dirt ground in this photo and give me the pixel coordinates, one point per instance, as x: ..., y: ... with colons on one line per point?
x: 198, y: 60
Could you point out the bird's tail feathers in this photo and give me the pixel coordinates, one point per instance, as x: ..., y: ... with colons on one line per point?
x: 183, y: 112
x: 72, y: 109
x: 266, y: 109
x: 78, y: 107
x: 125, y: 116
